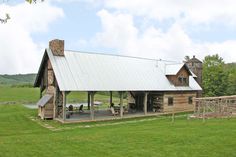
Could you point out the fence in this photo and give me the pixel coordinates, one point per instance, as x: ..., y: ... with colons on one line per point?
x: 224, y: 106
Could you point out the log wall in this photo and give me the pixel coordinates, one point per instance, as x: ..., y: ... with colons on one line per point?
x: 180, y: 101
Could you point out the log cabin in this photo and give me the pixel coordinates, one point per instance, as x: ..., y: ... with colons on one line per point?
x: 152, y: 86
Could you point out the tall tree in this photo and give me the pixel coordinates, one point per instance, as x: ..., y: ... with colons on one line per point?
x: 214, y: 76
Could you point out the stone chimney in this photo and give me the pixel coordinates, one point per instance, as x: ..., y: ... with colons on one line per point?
x: 57, y: 47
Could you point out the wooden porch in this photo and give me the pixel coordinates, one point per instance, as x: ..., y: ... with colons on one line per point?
x: 103, y: 115
x: 92, y: 112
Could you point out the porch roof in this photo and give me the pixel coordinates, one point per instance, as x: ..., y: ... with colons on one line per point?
x: 79, y: 71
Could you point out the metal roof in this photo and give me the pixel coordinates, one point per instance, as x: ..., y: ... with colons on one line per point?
x: 173, y: 69
x: 78, y: 71
x: 44, y: 100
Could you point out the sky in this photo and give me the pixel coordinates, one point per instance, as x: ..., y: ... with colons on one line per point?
x: 158, y: 29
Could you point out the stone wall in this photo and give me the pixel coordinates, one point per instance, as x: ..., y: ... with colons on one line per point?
x: 57, y: 47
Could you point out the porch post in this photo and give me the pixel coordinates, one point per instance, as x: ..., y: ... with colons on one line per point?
x: 64, y: 105
x: 40, y: 95
x: 121, y: 104
x: 92, y: 105
x: 110, y: 98
x: 145, y: 103
x: 88, y: 101
x: 54, y: 104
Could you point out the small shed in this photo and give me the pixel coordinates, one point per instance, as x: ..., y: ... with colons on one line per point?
x: 45, y: 106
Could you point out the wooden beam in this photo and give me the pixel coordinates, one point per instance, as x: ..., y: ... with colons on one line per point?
x: 92, y: 105
x: 121, y: 104
x: 54, y: 103
x: 110, y: 98
x: 64, y: 105
x: 88, y: 101
x: 203, y: 115
x: 132, y: 94
x: 145, y: 103
x: 173, y: 114
x: 40, y: 95
x: 41, y: 88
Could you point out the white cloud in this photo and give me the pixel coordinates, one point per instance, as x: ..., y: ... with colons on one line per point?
x: 116, y: 27
x: 18, y: 52
x: 226, y: 49
x: 194, y: 11
x: 120, y: 32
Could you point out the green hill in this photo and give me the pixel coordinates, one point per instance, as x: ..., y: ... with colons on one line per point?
x: 18, y: 79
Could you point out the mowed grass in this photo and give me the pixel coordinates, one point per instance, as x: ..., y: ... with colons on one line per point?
x: 22, y: 137
x: 15, y: 94
x: 31, y: 95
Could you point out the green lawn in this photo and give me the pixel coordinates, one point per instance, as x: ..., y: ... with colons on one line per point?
x: 153, y: 136
x: 29, y: 95
x: 15, y: 94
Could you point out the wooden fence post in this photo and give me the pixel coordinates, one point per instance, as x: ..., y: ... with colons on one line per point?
x: 204, y: 110
x: 173, y: 114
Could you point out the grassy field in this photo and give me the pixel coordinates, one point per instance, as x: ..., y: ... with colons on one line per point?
x: 29, y: 95
x: 15, y: 94
x: 21, y: 135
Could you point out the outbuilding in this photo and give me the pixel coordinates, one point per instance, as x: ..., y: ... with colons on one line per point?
x: 152, y: 86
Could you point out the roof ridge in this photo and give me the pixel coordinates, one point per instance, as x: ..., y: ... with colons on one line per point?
x: 118, y: 55
x: 175, y: 63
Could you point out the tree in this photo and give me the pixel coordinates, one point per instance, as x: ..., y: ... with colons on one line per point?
x: 186, y: 58
x: 214, y: 77
x: 231, y: 82
x: 4, y: 20
x: 35, y: 1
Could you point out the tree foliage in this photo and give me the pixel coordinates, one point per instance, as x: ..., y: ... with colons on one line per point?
x: 218, y: 78
x: 230, y: 69
x: 35, y: 1
x: 5, y: 19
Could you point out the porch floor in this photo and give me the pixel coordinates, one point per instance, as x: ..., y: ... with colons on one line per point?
x: 105, y: 114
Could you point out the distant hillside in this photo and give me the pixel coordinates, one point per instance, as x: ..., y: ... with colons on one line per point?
x: 19, y: 79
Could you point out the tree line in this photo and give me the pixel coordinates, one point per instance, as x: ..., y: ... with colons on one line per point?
x: 219, y: 78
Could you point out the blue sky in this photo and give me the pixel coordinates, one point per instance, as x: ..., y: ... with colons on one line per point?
x: 157, y: 29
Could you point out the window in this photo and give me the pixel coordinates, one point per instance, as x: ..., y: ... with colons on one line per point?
x: 190, y: 100
x: 170, y: 101
x: 182, y: 80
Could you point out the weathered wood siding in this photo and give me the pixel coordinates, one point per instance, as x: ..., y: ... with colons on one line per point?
x: 174, y: 78
x: 180, y: 101
x: 47, y: 111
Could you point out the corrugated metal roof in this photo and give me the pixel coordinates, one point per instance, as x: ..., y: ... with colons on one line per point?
x: 44, y: 100
x: 78, y: 71
x: 173, y: 69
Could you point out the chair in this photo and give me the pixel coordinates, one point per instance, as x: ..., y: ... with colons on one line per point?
x: 113, y: 111
x: 81, y: 108
x: 70, y: 109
